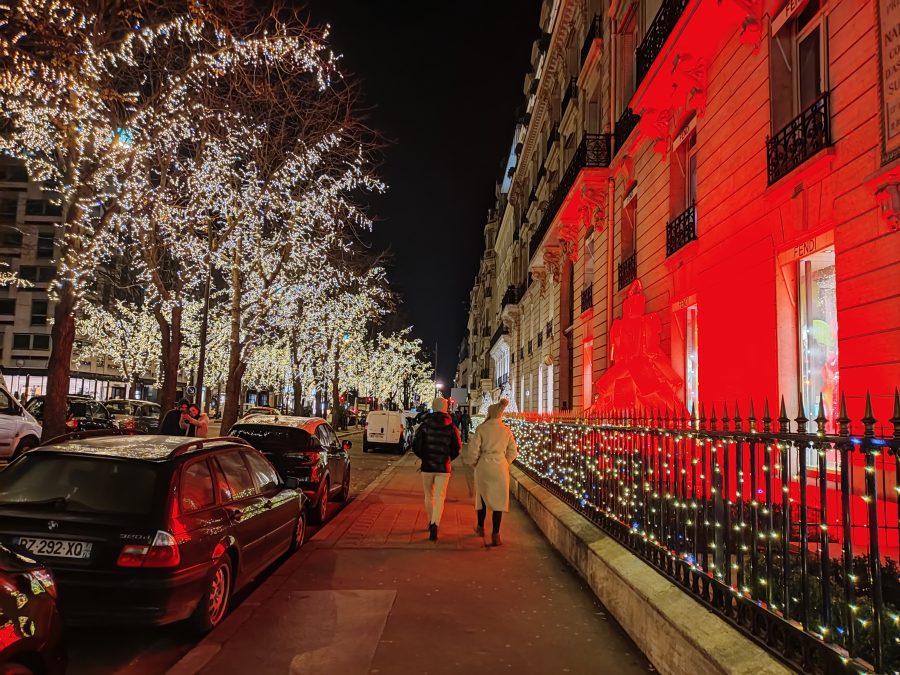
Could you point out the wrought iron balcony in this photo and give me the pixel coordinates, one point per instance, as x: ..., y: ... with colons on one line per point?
x: 501, y: 330
x: 624, y: 126
x: 571, y: 93
x: 803, y: 137
x: 681, y: 230
x: 530, y: 347
x: 503, y: 380
x: 592, y: 152
x: 627, y: 271
x: 659, y: 31
x: 595, y: 32
x: 587, y: 298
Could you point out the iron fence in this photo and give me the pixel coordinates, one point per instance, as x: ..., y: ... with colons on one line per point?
x: 803, y: 137
x: 681, y: 230
x: 786, y: 528
x: 663, y: 24
x: 627, y: 271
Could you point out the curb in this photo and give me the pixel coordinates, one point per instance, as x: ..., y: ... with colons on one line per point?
x: 202, y: 653
x: 676, y: 633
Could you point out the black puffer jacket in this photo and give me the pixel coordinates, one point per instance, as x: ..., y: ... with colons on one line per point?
x: 437, y: 443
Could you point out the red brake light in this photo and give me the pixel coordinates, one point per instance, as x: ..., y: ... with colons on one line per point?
x: 71, y: 424
x: 163, y: 552
x: 128, y: 424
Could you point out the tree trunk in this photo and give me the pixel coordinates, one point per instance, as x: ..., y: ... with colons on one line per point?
x: 298, y: 395
x: 60, y: 364
x: 236, y: 366
x: 171, y: 356
x: 336, y: 390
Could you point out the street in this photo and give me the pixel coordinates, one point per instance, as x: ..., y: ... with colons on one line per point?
x: 99, y: 650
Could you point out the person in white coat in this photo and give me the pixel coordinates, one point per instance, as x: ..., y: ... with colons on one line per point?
x: 491, y: 451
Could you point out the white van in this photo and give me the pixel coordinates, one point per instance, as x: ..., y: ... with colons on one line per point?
x: 19, y: 431
x: 386, y: 428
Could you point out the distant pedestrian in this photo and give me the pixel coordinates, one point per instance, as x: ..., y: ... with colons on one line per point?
x: 195, y: 422
x: 491, y: 451
x: 437, y: 444
x: 171, y: 422
x: 465, y: 422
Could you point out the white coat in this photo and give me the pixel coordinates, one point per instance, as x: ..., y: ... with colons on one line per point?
x: 491, y: 450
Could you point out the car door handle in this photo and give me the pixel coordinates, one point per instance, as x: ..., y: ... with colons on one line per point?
x: 235, y: 514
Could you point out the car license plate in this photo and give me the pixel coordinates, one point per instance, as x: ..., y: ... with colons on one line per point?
x: 59, y: 548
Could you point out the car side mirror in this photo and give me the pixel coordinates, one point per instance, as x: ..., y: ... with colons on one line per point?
x: 346, y: 445
x: 292, y: 483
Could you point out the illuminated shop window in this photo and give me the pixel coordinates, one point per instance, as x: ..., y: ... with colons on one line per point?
x: 818, y: 334
x: 691, y: 376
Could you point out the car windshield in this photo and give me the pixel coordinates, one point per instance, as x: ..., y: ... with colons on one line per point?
x: 79, y: 484
x: 271, y: 438
x: 78, y: 408
x: 120, y: 407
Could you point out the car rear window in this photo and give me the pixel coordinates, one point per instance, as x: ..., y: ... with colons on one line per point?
x: 78, y: 409
x: 272, y: 438
x: 119, y: 408
x: 79, y: 484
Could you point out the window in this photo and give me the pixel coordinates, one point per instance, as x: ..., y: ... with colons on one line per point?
x: 98, y: 412
x: 45, y: 244
x: 5, y: 401
x: 8, y: 307
x: 38, y: 312
x: 22, y: 341
x: 9, y: 207
x: 196, y: 490
x: 683, y: 173
x: 10, y: 237
x: 264, y: 473
x: 627, y: 45
x: 40, y: 342
x: 37, y: 274
x: 239, y: 481
x: 691, y: 376
x: 42, y: 207
x: 818, y: 332
x: 798, y: 62
x: 629, y: 225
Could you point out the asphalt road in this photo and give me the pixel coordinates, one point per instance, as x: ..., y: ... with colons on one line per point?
x: 108, y: 650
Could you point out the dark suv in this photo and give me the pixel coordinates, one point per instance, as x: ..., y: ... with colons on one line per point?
x: 149, y: 529
x: 305, y: 448
x: 82, y: 414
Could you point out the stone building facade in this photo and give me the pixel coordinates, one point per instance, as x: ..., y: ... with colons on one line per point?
x: 735, y: 164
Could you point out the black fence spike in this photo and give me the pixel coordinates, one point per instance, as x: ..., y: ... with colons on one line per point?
x: 767, y: 418
x: 725, y: 420
x: 844, y: 419
x: 713, y: 420
x: 738, y: 422
x: 702, y: 419
x: 895, y: 418
x: 821, y: 419
x: 801, y: 419
x: 784, y: 422
x: 868, y: 419
x: 751, y: 419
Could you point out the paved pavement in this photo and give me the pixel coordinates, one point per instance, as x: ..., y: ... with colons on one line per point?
x: 370, y: 594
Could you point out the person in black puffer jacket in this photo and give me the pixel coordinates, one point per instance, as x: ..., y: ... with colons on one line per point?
x: 436, y: 443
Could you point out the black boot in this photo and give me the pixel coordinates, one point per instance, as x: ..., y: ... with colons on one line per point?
x: 432, y: 532
x: 495, y: 539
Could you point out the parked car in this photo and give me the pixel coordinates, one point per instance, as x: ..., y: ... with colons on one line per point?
x: 305, y: 448
x: 83, y: 413
x: 259, y: 410
x: 19, y: 431
x: 149, y: 529
x: 133, y: 414
x: 386, y: 429
x: 31, y: 637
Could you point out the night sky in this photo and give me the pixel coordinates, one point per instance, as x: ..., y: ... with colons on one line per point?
x: 442, y: 82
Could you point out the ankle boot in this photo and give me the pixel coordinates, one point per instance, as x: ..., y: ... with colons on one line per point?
x: 479, y: 530
x: 432, y: 532
x: 495, y: 539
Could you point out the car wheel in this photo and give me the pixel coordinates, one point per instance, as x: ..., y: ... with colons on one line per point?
x: 26, y: 444
x: 299, y: 533
x: 344, y: 494
x: 320, y: 513
x: 366, y: 446
x: 214, y: 603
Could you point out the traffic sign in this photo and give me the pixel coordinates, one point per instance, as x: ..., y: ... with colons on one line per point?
x: 191, y: 390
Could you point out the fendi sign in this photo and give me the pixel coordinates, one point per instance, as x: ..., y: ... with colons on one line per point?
x: 889, y: 82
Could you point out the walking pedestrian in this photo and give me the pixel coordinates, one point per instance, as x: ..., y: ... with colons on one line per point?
x: 170, y: 425
x: 491, y: 451
x: 437, y: 444
x: 195, y: 422
x: 465, y: 422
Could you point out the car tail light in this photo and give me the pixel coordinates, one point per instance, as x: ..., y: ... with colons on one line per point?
x: 71, y: 424
x: 127, y: 424
x: 45, y: 579
x: 163, y: 552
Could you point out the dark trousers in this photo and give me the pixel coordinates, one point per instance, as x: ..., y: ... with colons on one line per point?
x: 496, y: 517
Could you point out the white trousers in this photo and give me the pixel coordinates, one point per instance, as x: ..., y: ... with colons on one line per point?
x: 435, y: 486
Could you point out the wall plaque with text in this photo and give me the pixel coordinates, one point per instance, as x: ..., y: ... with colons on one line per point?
x: 889, y: 81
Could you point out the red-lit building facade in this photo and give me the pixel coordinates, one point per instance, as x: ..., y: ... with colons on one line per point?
x: 741, y: 160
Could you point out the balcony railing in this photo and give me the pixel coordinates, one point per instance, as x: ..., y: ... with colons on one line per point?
x: 587, y: 298
x: 658, y: 33
x: 681, y: 230
x: 592, y: 152
x: 627, y: 271
x: 624, y: 126
x: 485, y: 374
x: 803, y: 137
x: 511, y: 297
x: 503, y: 380
x: 501, y: 330
x: 530, y: 347
x: 549, y: 330
x: 786, y: 528
x: 595, y: 32
x: 570, y: 94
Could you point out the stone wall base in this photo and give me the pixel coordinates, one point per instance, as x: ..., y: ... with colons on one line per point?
x: 678, y: 634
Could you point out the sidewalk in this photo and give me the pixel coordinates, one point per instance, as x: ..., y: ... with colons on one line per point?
x: 371, y: 594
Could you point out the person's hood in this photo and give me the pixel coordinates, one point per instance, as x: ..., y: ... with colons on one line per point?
x: 438, y: 420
